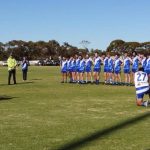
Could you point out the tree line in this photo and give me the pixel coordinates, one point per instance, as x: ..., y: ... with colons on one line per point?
x: 42, y: 50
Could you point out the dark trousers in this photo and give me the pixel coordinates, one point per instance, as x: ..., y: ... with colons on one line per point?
x: 24, y: 72
x: 12, y: 72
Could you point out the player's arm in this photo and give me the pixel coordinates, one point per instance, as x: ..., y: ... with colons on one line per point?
x: 131, y: 61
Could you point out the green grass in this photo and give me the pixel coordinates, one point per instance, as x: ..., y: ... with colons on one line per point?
x: 44, y: 114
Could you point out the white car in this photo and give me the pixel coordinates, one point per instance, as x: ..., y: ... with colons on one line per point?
x: 4, y: 63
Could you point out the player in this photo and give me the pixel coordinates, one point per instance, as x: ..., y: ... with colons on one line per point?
x: 81, y: 70
x: 147, y: 66
x: 117, y: 69
x: 64, y: 70
x: 105, y: 63
x: 127, y: 63
x: 69, y: 70
x: 135, y: 64
x: 73, y: 69
x: 143, y: 60
x: 142, y: 87
x: 97, y: 68
x: 77, y: 68
x: 88, y: 69
x: 110, y: 69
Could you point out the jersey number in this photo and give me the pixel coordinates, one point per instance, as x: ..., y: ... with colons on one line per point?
x: 141, y: 76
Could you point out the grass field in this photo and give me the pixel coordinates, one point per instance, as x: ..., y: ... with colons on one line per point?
x: 44, y: 114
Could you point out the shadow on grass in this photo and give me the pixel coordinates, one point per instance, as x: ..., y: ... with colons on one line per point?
x: 18, y: 83
x: 26, y: 82
x: 36, y: 79
x: 4, y: 97
x: 101, y: 133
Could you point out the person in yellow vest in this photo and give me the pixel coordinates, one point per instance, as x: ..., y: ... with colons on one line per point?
x: 11, y: 62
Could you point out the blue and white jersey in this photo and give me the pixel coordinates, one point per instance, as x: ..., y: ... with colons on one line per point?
x: 105, y: 62
x: 110, y: 64
x: 73, y: 65
x: 24, y: 65
x: 97, y: 63
x: 69, y: 65
x: 64, y: 65
x: 88, y: 63
x: 117, y: 64
x: 127, y: 63
x: 141, y: 82
x: 82, y: 65
x: 135, y: 63
x: 147, y: 66
x: 77, y: 63
x: 143, y: 62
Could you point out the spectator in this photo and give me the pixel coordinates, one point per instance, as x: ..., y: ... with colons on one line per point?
x: 24, y: 68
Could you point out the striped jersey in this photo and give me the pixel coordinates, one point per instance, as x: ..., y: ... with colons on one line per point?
x: 141, y: 82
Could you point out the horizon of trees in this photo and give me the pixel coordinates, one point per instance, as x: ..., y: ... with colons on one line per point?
x: 52, y: 48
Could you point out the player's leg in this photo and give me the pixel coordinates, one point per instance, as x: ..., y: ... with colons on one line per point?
x: 70, y: 76
x: 94, y: 76
x: 119, y: 77
x: 73, y: 76
x: 97, y: 76
x: 115, y: 77
x: 125, y: 78
x: 82, y: 77
x: 77, y: 75
x: 129, y: 78
x: 105, y: 76
x: 62, y: 73
x: 65, y: 77
x: 90, y: 77
x: 139, y: 100
x: 111, y: 77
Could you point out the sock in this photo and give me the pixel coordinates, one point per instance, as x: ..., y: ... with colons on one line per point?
x: 144, y: 103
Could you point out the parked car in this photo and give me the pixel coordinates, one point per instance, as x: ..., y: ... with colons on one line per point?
x: 52, y: 63
x: 4, y: 63
x: 49, y: 63
x: 56, y: 63
x: 40, y: 63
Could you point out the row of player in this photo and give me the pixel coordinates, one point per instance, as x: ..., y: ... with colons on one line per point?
x: 79, y: 68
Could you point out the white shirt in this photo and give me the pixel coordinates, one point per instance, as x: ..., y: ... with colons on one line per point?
x: 141, y: 82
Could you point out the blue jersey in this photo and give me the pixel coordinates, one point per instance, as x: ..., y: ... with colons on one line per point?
x: 110, y: 64
x: 143, y: 62
x: 64, y: 66
x: 82, y: 65
x: 77, y: 63
x: 135, y: 63
x: 25, y: 65
x: 73, y: 65
x: 97, y: 63
x: 105, y: 62
x: 117, y: 65
x: 127, y: 63
x: 69, y: 65
x: 147, y: 66
x: 88, y: 63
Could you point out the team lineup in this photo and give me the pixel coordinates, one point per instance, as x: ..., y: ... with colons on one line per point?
x: 86, y: 69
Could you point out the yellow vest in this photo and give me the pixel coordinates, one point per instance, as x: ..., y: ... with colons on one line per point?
x: 11, y: 62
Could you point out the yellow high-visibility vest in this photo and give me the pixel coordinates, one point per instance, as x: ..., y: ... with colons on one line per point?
x: 11, y: 62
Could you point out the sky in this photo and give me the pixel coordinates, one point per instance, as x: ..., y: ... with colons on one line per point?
x: 97, y: 21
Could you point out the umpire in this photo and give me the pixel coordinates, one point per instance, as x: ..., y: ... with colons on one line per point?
x: 11, y: 62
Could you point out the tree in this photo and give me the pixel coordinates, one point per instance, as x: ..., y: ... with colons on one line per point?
x: 85, y: 44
